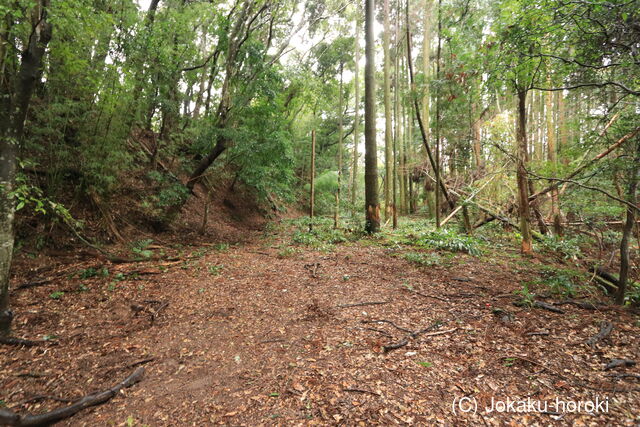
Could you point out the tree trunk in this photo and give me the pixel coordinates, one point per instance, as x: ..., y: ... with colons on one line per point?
x: 356, y: 120
x: 437, y: 170
x: 388, y: 131
x: 627, y: 231
x: 312, y: 178
x: 523, y: 185
x: 372, y: 207
x: 12, y: 119
x: 553, y: 159
x: 336, y: 217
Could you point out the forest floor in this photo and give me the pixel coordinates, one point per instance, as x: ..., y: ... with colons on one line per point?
x: 259, y: 332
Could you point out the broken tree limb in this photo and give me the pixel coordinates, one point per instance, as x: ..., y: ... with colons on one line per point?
x: 618, y: 363
x: 413, y: 335
x: 605, y: 329
x: 573, y: 174
x: 361, y: 304
x: 10, y: 418
x: 19, y: 342
x: 540, y: 304
x: 467, y: 200
x: 607, y: 280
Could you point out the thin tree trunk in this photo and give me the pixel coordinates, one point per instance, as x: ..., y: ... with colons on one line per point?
x: 312, y: 178
x: 12, y: 119
x: 336, y: 217
x: 388, y: 131
x: 523, y: 185
x: 627, y: 231
x: 437, y: 166
x: 372, y: 207
x: 356, y: 120
x: 551, y: 147
x: 562, y: 127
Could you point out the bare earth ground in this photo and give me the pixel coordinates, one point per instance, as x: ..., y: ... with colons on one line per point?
x: 251, y: 337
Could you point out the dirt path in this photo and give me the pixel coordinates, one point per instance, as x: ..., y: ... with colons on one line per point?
x: 254, y: 336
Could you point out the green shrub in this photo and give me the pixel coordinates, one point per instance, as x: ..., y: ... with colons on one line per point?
x: 425, y: 260
x: 449, y: 240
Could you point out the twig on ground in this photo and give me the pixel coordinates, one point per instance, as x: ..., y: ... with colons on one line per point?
x: 10, y: 418
x: 361, y: 304
x: 357, y: 390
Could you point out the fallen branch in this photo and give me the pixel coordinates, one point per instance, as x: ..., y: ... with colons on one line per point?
x: 540, y: 304
x: 586, y: 305
x: 20, y: 341
x: 361, y: 304
x: 635, y: 376
x: 34, y: 283
x: 617, y: 363
x: 156, y: 312
x: 357, y: 390
x: 549, y: 307
x: 605, y: 329
x: 411, y: 336
x: 10, y: 418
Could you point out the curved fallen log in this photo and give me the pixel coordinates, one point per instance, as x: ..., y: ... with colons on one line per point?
x: 10, y: 418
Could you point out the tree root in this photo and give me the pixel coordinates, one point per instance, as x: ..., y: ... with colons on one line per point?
x: 605, y: 330
x: 10, y: 418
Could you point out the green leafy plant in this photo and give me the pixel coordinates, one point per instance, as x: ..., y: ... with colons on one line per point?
x: 527, y: 297
x: 56, y: 295
x: 140, y: 248
x: 215, y: 269
x: 448, y: 240
x: 423, y: 259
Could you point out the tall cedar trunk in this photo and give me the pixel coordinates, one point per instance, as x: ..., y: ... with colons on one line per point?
x: 388, y: 131
x: 312, y: 179
x: 477, y: 137
x: 627, y: 232
x: 426, y: 63
x: 553, y: 159
x: 356, y: 120
x: 14, y: 107
x: 437, y: 166
x: 396, y: 113
x: 426, y: 69
x: 336, y: 217
x: 562, y: 127
x: 372, y: 207
x: 523, y: 185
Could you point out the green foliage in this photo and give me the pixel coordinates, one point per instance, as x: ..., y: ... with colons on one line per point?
x: 569, y: 248
x: 56, y: 295
x: 562, y: 282
x: 140, y: 248
x: 215, y: 269
x: 449, y: 240
x: 423, y: 259
x: 527, y: 297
